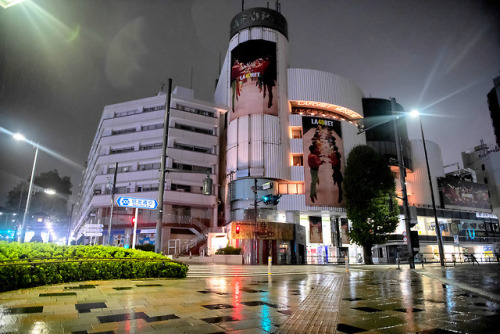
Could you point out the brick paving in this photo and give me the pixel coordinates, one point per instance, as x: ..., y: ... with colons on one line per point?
x: 318, y: 312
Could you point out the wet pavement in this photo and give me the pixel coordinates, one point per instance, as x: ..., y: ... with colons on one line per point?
x: 245, y: 299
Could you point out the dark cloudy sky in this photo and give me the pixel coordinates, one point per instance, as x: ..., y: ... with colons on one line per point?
x: 62, y: 61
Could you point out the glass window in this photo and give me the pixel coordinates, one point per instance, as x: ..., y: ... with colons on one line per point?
x: 296, y: 133
x: 298, y: 160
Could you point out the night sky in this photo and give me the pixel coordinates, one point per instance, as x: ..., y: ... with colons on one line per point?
x: 62, y: 61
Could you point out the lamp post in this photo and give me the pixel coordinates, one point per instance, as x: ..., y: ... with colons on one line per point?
x: 402, y: 172
x: 415, y: 113
x: 18, y: 136
x: 163, y: 170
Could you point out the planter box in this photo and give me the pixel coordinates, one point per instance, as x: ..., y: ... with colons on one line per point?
x: 227, y: 259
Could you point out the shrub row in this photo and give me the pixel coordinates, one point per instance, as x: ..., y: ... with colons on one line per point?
x: 228, y: 250
x: 92, y: 264
x: 14, y: 251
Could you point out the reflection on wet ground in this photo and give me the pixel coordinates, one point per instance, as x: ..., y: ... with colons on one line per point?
x: 244, y: 299
x: 404, y: 301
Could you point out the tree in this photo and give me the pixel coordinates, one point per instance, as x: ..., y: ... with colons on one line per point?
x: 54, y: 206
x: 369, y: 186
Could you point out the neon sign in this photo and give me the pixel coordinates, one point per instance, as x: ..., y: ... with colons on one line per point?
x: 351, y: 114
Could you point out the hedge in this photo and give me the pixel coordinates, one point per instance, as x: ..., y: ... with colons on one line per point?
x: 34, y: 264
x: 228, y: 250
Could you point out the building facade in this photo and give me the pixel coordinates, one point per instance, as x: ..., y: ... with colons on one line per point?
x: 289, y: 132
x: 128, y: 141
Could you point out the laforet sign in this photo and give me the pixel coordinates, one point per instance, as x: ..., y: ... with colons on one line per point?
x: 259, y: 17
x: 264, y: 230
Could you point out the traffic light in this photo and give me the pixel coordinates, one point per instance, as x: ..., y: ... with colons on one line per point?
x: 271, y: 199
x: 133, y: 220
x: 237, y: 229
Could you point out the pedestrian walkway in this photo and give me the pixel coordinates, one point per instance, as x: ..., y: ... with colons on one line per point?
x: 318, y: 312
x: 245, y: 299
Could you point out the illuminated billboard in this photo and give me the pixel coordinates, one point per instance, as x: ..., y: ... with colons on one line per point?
x: 323, y: 161
x: 315, y: 230
x: 458, y: 194
x: 254, y: 83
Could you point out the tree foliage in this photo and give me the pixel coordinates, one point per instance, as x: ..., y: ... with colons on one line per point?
x: 54, y: 206
x: 368, y: 187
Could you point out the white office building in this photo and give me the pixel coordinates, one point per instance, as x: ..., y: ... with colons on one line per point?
x: 129, y: 135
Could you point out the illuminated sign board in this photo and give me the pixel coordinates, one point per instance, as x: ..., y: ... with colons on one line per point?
x: 343, y: 111
x: 259, y: 17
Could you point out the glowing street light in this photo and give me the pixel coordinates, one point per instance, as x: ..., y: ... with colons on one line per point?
x: 19, y: 136
x: 415, y: 113
x: 9, y: 3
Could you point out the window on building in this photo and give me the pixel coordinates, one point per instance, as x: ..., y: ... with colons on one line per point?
x: 121, y: 150
x: 126, y: 113
x: 296, y: 133
x: 482, y: 167
x: 153, y: 146
x: 155, y: 108
x: 195, y: 111
x: 298, y: 160
x: 485, y: 180
x: 121, y: 190
x: 198, y: 169
x: 152, y: 127
x: 194, y: 129
x: 180, y: 187
x: 181, y: 210
x: 149, y: 166
x: 147, y: 187
x: 291, y: 188
x: 193, y: 148
x: 123, y: 131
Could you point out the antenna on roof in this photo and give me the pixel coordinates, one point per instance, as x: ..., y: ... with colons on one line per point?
x: 278, y: 6
x: 191, y: 84
x: 242, y: 5
x: 162, y: 86
x: 268, y: 5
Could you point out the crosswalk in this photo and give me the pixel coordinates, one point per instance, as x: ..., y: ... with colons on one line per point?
x: 201, y: 271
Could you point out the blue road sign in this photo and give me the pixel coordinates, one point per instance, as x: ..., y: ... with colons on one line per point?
x: 139, y: 203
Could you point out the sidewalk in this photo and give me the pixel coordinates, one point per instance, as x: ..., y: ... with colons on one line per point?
x: 245, y: 299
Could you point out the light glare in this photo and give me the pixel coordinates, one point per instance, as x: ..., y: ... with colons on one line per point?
x: 414, y: 113
x: 19, y: 136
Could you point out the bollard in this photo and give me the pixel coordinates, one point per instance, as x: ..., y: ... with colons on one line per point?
x: 346, y: 263
x: 269, y: 265
x: 189, y: 254
x: 397, y: 260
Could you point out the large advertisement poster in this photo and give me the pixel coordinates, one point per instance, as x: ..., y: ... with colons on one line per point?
x: 254, y: 79
x: 458, y: 194
x: 315, y: 230
x: 323, y: 161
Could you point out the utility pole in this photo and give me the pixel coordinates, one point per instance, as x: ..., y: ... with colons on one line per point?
x: 402, y: 174
x: 161, y: 188
x: 113, y: 191
x: 255, y: 260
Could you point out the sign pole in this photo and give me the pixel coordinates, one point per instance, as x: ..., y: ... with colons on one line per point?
x: 135, y: 228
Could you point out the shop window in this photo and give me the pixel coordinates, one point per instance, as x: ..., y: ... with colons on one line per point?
x: 296, y: 133
x: 291, y: 188
x: 298, y: 160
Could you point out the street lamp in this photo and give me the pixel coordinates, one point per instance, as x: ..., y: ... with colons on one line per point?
x: 19, y: 136
x: 402, y: 173
x: 415, y: 113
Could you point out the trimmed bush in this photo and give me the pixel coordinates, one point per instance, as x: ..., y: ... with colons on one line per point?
x: 228, y: 250
x: 34, y: 264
